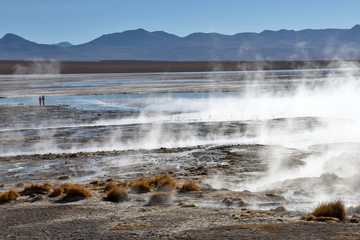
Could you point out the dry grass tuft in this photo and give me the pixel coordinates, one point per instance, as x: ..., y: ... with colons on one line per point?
x: 189, y: 186
x: 333, y: 209
x: 8, y: 196
x: 123, y: 184
x: 320, y: 219
x: 149, y: 208
x: 163, y: 182
x: 76, y: 191
x: 39, y: 197
x: 117, y: 194
x: 160, y: 199
x: 110, y: 185
x: 37, y: 189
x: 140, y: 186
x: 187, y: 205
x: 57, y: 192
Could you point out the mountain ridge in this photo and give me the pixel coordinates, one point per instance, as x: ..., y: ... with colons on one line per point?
x: 140, y: 44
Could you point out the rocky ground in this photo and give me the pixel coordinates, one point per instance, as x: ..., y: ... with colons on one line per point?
x: 223, y: 208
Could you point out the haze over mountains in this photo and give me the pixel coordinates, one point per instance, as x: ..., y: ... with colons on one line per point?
x: 326, y: 44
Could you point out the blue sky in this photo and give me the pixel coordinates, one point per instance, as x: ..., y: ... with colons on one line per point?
x: 80, y: 21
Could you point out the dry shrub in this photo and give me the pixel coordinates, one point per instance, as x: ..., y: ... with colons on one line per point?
x: 57, y: 192
x: 163, y: 182
x: 160, y: 199
x: 123, y: 184
x: 140, y: 186
x: 37, y: 189
x: 76, y: 191
x: 320, y: 219
x: 109, y: 186
x: 188, y: 205
x: 8, y: 196
x: 117, y: 194
x: 149, y: 208
x: 333, y: 209
x: 189, y: 186
x: 39, y: 197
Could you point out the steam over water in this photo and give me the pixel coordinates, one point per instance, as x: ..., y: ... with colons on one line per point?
x: 310, y: 112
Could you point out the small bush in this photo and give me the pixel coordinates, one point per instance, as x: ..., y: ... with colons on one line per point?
x: 57, y: 192
x: 332, y: 209
x: 109, y: 186
x: 37, y: 189
x: 160, y: 199
x: 39, y: 197
x: 140, y: 186
x: 163, y: 182
x: 76, y: 191
x: 117, y: 194
x: 123, y: 184
x: 8, y: 196
x: 189, y: 186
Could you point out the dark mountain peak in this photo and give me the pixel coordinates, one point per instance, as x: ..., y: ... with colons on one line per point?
x: 12, y: 37
x: 200, y: 36
x: 63, y: 44
x: 355, y: 28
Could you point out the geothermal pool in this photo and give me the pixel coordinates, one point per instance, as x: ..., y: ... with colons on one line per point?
x: 299, y: 130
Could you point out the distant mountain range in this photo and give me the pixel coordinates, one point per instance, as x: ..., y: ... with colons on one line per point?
x: 325, y: 44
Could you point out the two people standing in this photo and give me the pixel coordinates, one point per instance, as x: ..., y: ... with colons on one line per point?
x: 41, y: 100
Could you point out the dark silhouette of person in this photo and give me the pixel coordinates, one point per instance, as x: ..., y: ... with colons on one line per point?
x: 43, y: 100
x: 40, y: 99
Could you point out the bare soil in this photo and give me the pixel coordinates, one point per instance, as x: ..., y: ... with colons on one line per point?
x: 216, y: 212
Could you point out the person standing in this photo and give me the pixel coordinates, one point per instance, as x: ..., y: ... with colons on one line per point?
x: 43, y: 100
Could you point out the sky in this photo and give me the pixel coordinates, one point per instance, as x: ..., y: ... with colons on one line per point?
x: 80, y: 21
